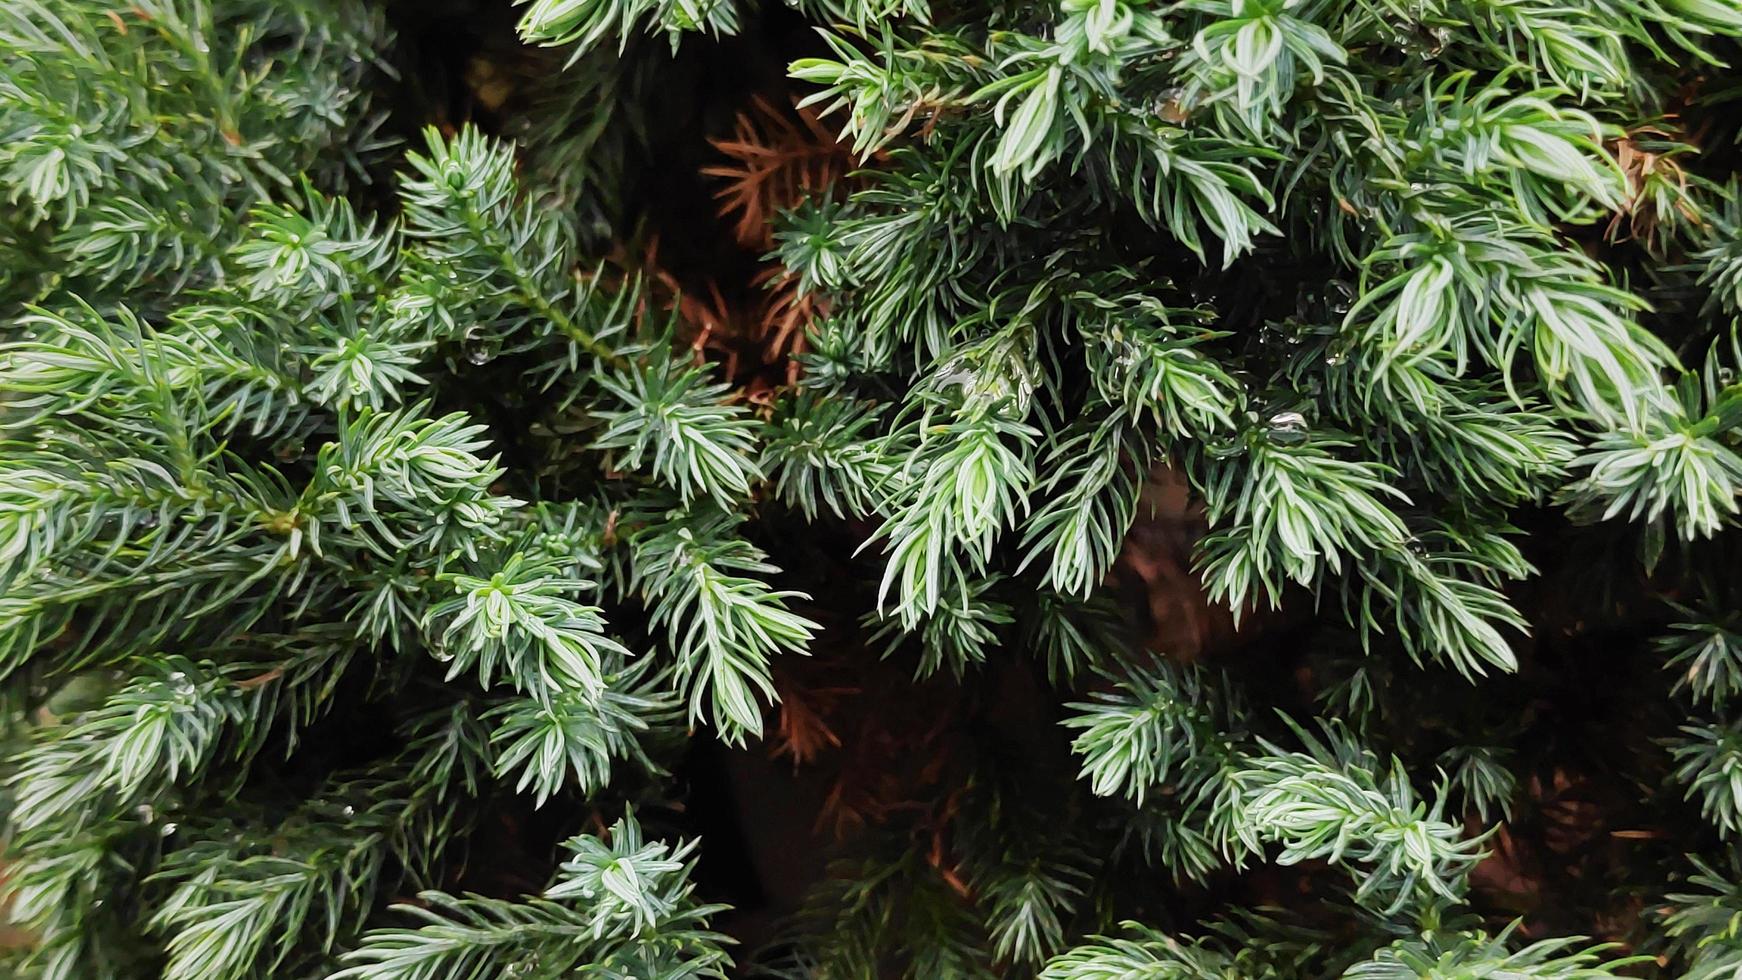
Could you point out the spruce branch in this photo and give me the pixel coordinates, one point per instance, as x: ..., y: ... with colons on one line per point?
x: 574, y: 738
x: 670, y: 421
x: 587, y: 23
x: 523, y: 620
x: 723, y: 625
x: 617, y: 904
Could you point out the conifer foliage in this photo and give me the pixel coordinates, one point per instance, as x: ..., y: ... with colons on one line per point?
x: 386, y: 540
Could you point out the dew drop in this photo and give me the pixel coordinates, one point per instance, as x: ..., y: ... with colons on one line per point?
x: 1170, y: 106
x: 1288, y: 427
x: 478, y: 349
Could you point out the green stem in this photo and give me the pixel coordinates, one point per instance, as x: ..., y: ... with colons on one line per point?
x: 530, y: 296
